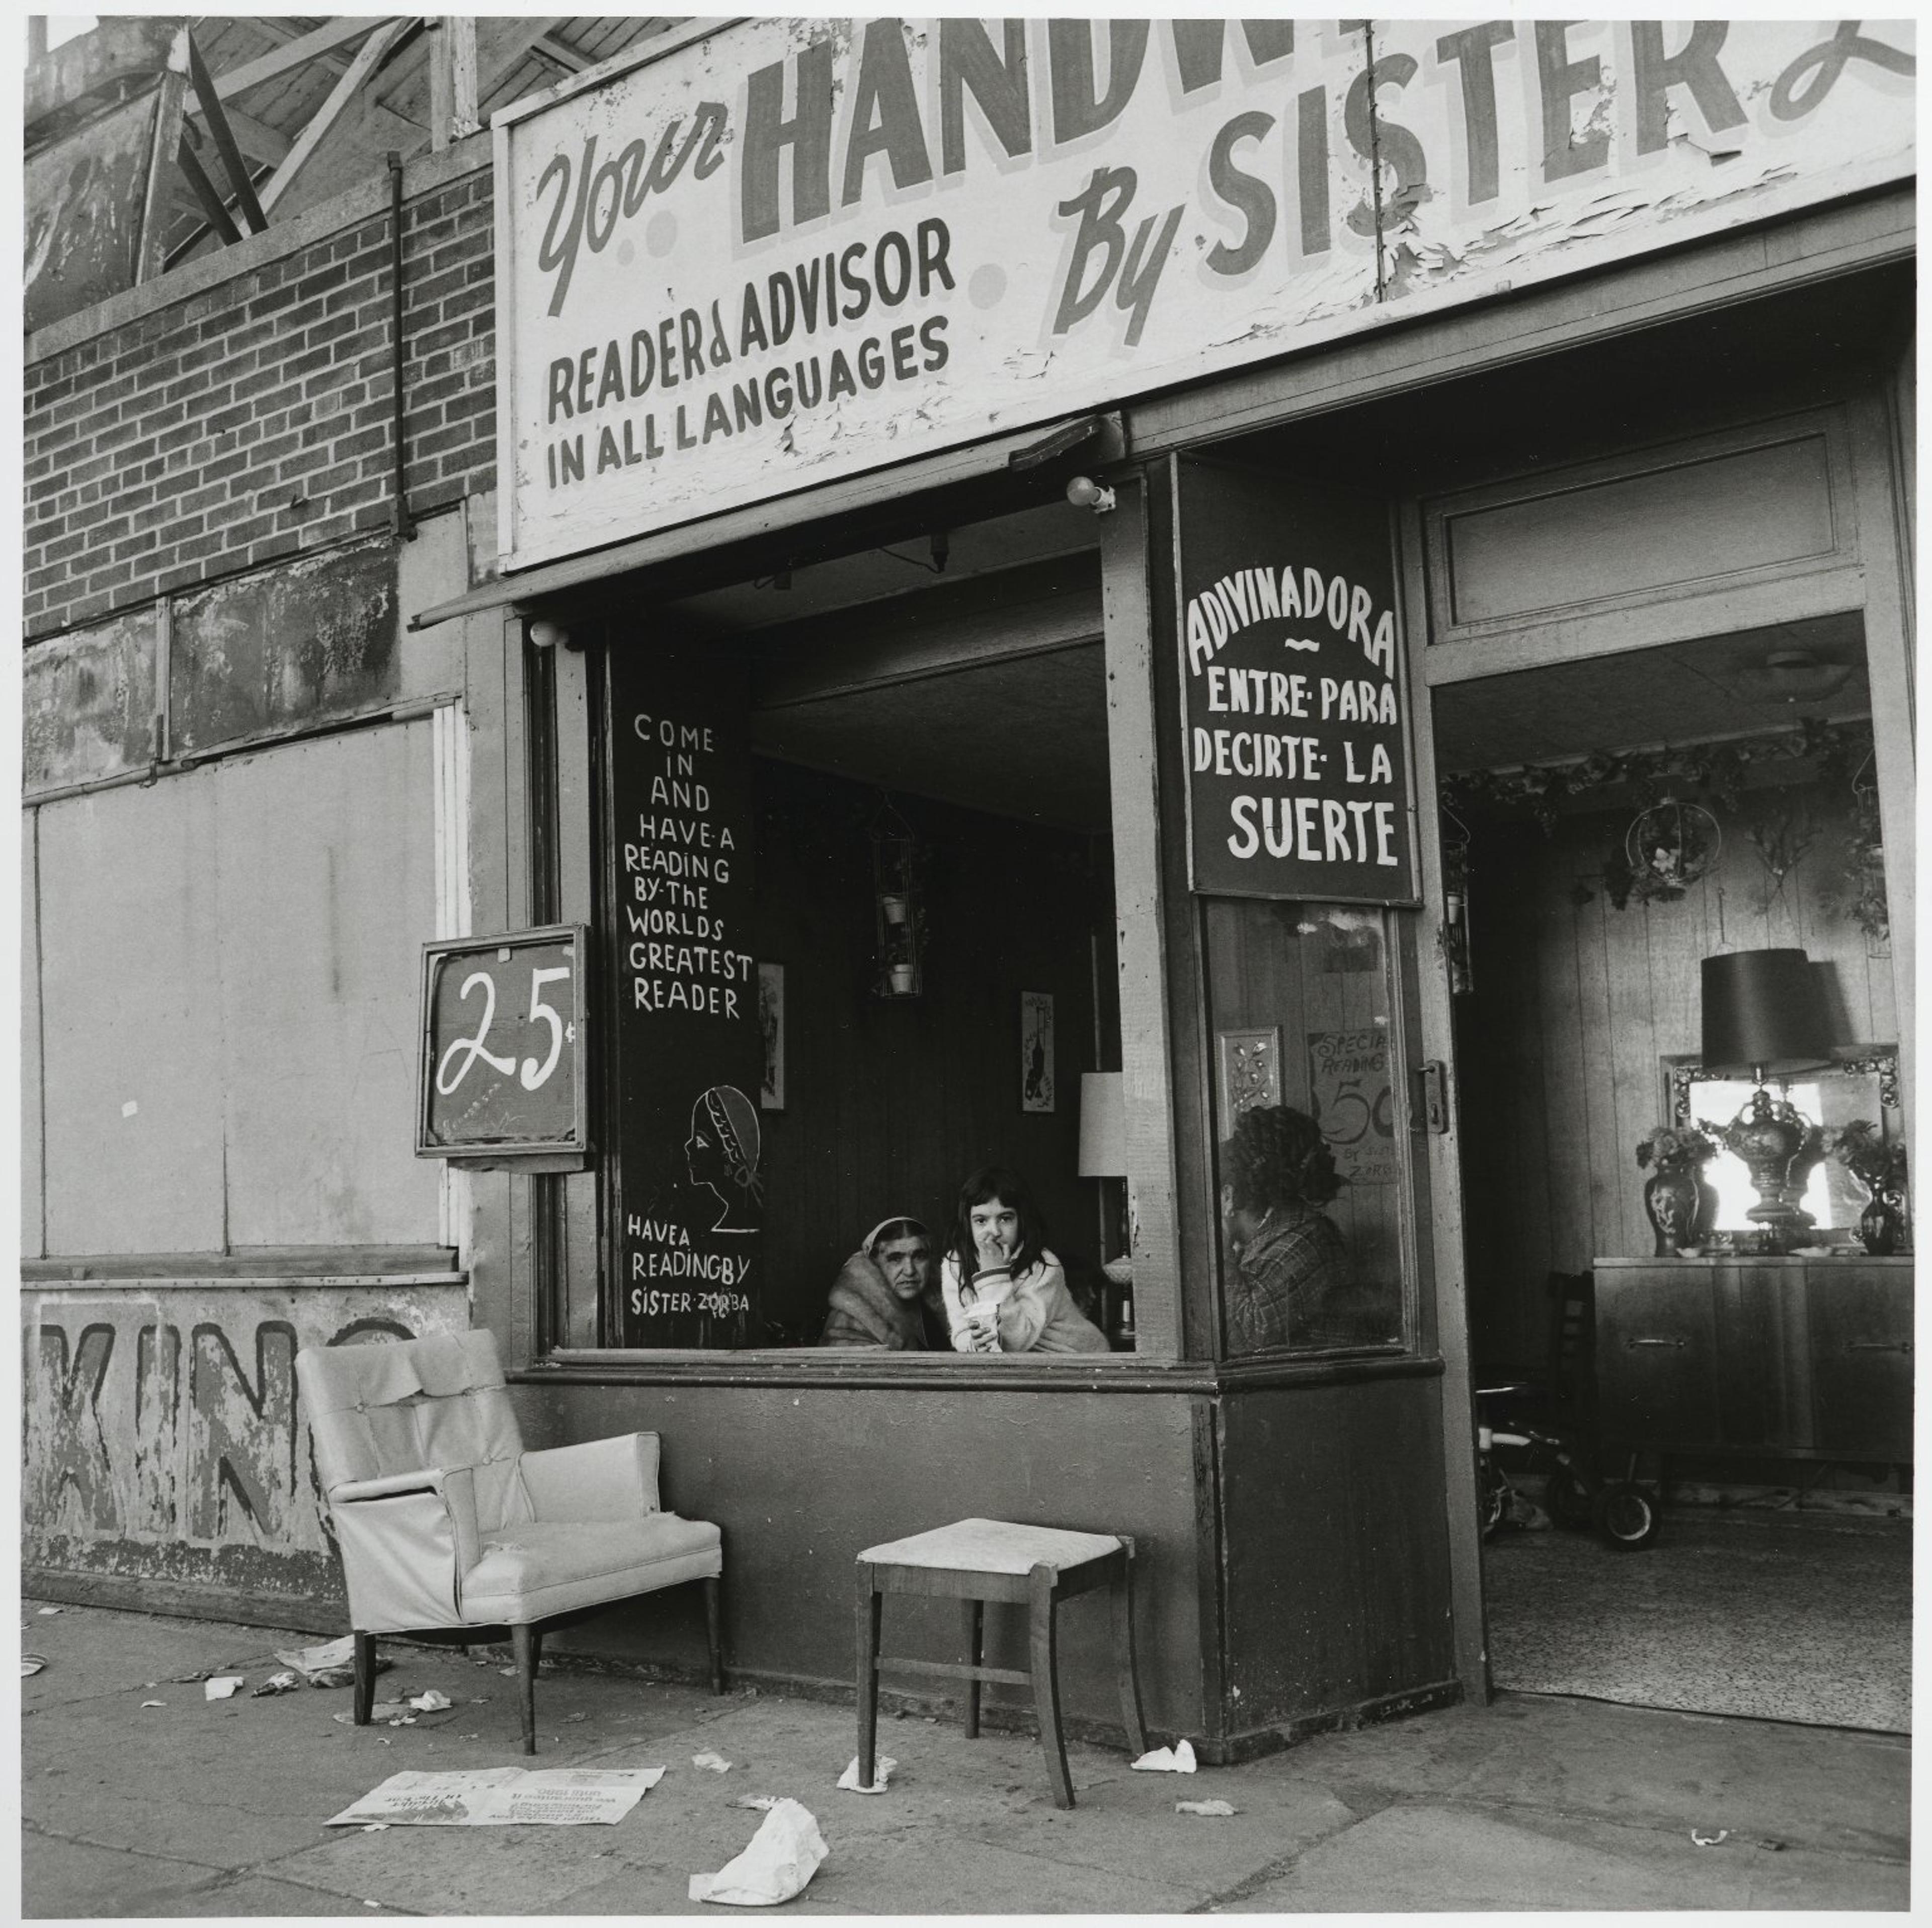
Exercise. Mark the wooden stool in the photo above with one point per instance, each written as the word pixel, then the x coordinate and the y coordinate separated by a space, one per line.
pixel 977 1561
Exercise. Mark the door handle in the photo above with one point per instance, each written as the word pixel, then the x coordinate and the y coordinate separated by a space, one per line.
pixel 1634 1343
pixel 1879 1345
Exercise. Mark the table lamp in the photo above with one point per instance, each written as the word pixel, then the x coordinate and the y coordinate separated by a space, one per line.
pixel 1764 1018
pixel 1103 1154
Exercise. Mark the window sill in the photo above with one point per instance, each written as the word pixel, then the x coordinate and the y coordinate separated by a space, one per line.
pixel 811 1366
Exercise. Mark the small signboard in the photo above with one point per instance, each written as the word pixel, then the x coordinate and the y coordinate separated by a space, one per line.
pixel 1292 689
pixel 502 1076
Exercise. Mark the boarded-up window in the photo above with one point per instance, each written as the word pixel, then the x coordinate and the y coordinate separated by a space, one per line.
pixel 227 969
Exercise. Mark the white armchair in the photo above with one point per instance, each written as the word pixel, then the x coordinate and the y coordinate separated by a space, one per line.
pixel 446 1523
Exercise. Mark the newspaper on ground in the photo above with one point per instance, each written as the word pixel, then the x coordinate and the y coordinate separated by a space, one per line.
pixel 331 1653
pixel 778 1860
pixel 222 1687
pixel 1178 1759
pixel 503 1796
pixel 882 1768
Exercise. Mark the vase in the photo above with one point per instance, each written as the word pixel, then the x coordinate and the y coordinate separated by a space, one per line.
pixel 1881 1225
pixel 1670 1198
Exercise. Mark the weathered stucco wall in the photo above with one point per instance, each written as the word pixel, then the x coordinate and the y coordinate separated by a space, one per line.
pixel 164 1437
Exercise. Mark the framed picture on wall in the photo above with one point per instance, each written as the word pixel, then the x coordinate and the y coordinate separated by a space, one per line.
pixel 771 1026
pixel 1248 1073
pixel 1035 1050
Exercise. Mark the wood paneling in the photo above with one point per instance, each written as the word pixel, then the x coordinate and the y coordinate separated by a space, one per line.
pixel 1576 1003
pixel 1337 1589
pixel 133 1065
pixel 229 971
pixel 890 1102
pixel 324 853
pixel 33 1167
pixel 1720 515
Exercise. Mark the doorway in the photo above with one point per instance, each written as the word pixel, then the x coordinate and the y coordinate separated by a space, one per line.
pixel 1605 825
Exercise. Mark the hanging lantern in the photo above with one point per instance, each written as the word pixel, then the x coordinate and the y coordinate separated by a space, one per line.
pixel 899 916
pixel 1670 846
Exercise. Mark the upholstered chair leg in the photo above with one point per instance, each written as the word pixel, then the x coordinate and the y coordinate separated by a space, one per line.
pixel 364 1652
pixel 525 1640
pixel 714 1633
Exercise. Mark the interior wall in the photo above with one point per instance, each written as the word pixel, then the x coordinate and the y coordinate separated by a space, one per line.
pixel 889 1103
pixel 1559 1046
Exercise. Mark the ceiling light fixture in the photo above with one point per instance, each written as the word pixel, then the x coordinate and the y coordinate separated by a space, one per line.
pixel 1800 675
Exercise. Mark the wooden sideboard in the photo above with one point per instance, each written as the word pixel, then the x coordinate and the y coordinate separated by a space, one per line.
pixel 1799 1358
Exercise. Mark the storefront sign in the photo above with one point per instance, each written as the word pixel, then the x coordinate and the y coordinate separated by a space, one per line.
pixel 1292 698
pixel 788 250
pixel 503 1048
pixel 688 1206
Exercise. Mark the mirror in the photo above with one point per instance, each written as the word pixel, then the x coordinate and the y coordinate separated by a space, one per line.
pixel 1862 1082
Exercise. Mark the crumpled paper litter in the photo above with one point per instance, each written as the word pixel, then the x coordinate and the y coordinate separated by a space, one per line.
pixel 883 1764
pixel 1178 1759
pixel 715 1762
pixel 222 1687
pixel 784 1855
pixel 1202 1807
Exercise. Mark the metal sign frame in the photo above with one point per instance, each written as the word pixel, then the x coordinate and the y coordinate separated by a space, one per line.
pixel 569 1152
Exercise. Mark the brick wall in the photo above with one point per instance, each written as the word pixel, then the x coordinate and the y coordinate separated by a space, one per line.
pixel 253 419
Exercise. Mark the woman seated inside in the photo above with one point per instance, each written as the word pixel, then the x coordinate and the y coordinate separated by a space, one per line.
pixel 1291 1281
pixel 885 1294
pixel 1003 1290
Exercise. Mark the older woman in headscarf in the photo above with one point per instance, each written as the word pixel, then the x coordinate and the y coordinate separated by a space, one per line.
pixel 886 1293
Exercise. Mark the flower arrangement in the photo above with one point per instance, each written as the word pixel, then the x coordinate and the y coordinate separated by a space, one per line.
pixel 1877 1162
pixel 1676 1148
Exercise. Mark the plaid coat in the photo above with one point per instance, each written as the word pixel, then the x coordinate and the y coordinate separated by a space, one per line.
pixel 1289 1283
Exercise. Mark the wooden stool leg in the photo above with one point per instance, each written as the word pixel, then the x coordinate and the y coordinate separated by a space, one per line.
pixel 975 1612
pixel 1123 1593
pixel 525 1640
pixel 1041 1585
pixel 869 1603
pixel 714 1637
pixel 365 1651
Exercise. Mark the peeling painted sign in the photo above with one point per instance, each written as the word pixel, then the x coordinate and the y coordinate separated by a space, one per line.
pixel 163 1432
pixel 89 704
pixel 790 251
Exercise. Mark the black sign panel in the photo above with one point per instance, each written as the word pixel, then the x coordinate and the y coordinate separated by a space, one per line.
pixel 503 1048
pixel 1298 779
pixel 688 1204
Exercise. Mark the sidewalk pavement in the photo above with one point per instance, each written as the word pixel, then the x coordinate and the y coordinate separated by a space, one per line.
pixel 201 1808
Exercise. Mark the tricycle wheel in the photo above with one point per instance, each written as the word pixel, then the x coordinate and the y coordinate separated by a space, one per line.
pixel 1626 1517
pixel 1493 1498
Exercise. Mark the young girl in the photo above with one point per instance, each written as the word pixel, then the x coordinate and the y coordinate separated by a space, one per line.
pixel 1004 1291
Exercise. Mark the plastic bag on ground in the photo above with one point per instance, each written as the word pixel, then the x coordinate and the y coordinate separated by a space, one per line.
pixel 1178 1759
pixel 883 1765
pixel 784 1855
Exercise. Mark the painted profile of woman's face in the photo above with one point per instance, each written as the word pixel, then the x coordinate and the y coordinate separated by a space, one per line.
pixel 702 1151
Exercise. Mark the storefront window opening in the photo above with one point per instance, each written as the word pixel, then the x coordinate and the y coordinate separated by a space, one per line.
pixel 896 974
pixel 1309 1155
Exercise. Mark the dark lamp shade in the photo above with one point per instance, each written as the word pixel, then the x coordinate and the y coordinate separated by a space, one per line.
pixel 1763 1008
